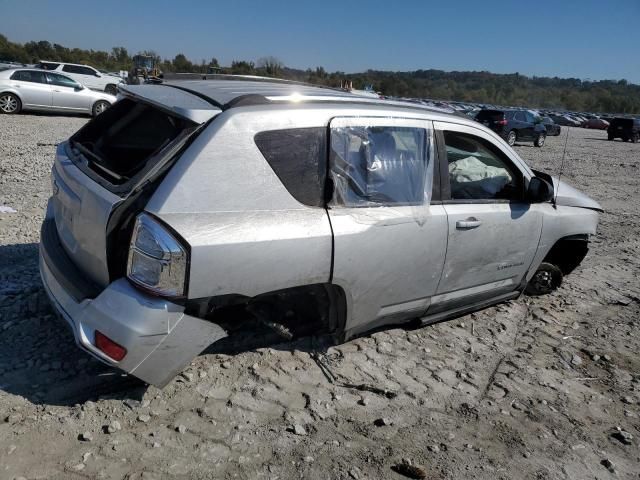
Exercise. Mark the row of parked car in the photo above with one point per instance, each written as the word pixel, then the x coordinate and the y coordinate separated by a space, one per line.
pixel 519 124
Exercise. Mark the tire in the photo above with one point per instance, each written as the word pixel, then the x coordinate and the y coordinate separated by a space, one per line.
pixel 511 138
pixel 111 89
pixel 635 138
pixel 99 107
pixel 610 137
pixel 625 138
pixel 539 141
pixel 547 278
pixel 10 103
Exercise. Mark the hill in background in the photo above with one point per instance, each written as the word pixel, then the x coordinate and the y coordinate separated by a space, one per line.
pixel 614 96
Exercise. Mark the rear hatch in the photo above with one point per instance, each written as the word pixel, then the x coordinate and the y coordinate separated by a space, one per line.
pixel 111 160
pixel 494 119
pixel 621 124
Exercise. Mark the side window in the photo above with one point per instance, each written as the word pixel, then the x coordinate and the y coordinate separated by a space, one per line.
pixel 61 80
pixel 374 166
pixel 72 69
pixel 298 156
pixel 28 76
pixel 479 171
pixel 86 71
pixel 530 117
pixel 519 116
pixel 47 65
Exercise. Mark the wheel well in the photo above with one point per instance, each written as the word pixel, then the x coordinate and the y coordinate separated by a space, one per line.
pixel 315 309
pixel 568 252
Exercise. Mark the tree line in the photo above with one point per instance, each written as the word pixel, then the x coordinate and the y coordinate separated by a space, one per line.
pixel 614 96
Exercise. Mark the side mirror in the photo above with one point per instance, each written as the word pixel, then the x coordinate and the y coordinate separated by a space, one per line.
pixel 78 88
pixel 539 191
pixel 98 74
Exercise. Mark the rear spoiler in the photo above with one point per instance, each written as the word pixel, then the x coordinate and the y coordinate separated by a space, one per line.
pixel 174 101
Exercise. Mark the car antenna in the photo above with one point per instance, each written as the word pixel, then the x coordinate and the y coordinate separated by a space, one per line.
pixel 564 153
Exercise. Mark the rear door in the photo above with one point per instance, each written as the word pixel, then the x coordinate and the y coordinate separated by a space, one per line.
pixel 34 90
pixel 101 165
pixel 493 231
pixel 84 75
pixel 389 241
pixel 523 127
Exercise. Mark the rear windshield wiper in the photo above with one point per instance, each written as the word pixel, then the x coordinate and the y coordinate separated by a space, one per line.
pixel 96 161
pixel 87 152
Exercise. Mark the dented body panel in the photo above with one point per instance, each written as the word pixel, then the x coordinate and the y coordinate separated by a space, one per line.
pixel 251 242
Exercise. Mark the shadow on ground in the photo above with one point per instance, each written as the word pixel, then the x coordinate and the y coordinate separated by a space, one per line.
pixel 40 361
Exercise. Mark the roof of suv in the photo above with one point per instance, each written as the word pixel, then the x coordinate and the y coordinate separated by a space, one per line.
pixel 66 63
pixel 226 91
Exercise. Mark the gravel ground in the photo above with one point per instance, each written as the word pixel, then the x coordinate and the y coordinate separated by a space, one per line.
pixel 537 388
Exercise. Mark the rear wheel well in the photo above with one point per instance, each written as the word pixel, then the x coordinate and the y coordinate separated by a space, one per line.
pixel 317 309
pixel 568 252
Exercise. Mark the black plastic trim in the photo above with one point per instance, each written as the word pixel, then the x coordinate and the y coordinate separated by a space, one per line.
pixel 62 267
pixel 196 94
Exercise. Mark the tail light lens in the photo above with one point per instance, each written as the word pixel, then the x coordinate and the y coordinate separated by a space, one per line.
pixel 157 262
pixel 502 122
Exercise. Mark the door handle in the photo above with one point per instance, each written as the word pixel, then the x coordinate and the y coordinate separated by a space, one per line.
pixel 469 223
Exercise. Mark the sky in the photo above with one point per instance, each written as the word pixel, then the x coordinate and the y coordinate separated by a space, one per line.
pixel 566 38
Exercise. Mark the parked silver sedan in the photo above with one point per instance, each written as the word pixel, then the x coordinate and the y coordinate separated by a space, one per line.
pixel 34 89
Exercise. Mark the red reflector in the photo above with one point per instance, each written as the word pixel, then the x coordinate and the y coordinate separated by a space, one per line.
pixel 110 348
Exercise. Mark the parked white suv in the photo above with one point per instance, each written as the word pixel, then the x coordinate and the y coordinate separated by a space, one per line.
pixel 86 75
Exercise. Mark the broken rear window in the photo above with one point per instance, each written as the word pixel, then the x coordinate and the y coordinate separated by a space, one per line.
pixel 127 139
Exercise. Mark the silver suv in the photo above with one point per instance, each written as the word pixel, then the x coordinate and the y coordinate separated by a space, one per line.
pixel 189 210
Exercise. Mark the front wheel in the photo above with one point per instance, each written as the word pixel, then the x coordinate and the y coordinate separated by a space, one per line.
pixel 511 138
pixel 99 107
pixel 539 141
pixel 547 278
pixel 9 103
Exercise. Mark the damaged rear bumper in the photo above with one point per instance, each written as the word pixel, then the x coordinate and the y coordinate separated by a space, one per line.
pixel 159 337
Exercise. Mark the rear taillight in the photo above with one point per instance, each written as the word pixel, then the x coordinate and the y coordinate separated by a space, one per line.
pixel 157 260
pixel 502 122
pixel 110 348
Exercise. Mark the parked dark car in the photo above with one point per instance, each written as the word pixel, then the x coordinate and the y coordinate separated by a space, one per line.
pixel 597 124
pixel 624 128
pixel 565 120
pixel 553 129
pixel 514 125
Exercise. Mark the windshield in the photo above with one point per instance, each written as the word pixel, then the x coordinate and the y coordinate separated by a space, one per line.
pixel 145 62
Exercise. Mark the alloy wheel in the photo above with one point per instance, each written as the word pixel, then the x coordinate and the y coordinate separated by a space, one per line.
pixel 543 280
pixel 101 107
pixel 8 103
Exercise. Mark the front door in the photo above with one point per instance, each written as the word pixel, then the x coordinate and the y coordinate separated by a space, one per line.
pixel 66 94
pixel 493 231
pixel 389 242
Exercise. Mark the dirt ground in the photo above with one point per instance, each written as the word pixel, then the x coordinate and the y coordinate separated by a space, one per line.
pixel 537 388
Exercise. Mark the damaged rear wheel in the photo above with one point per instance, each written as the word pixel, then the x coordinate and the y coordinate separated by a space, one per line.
pixel 547 278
